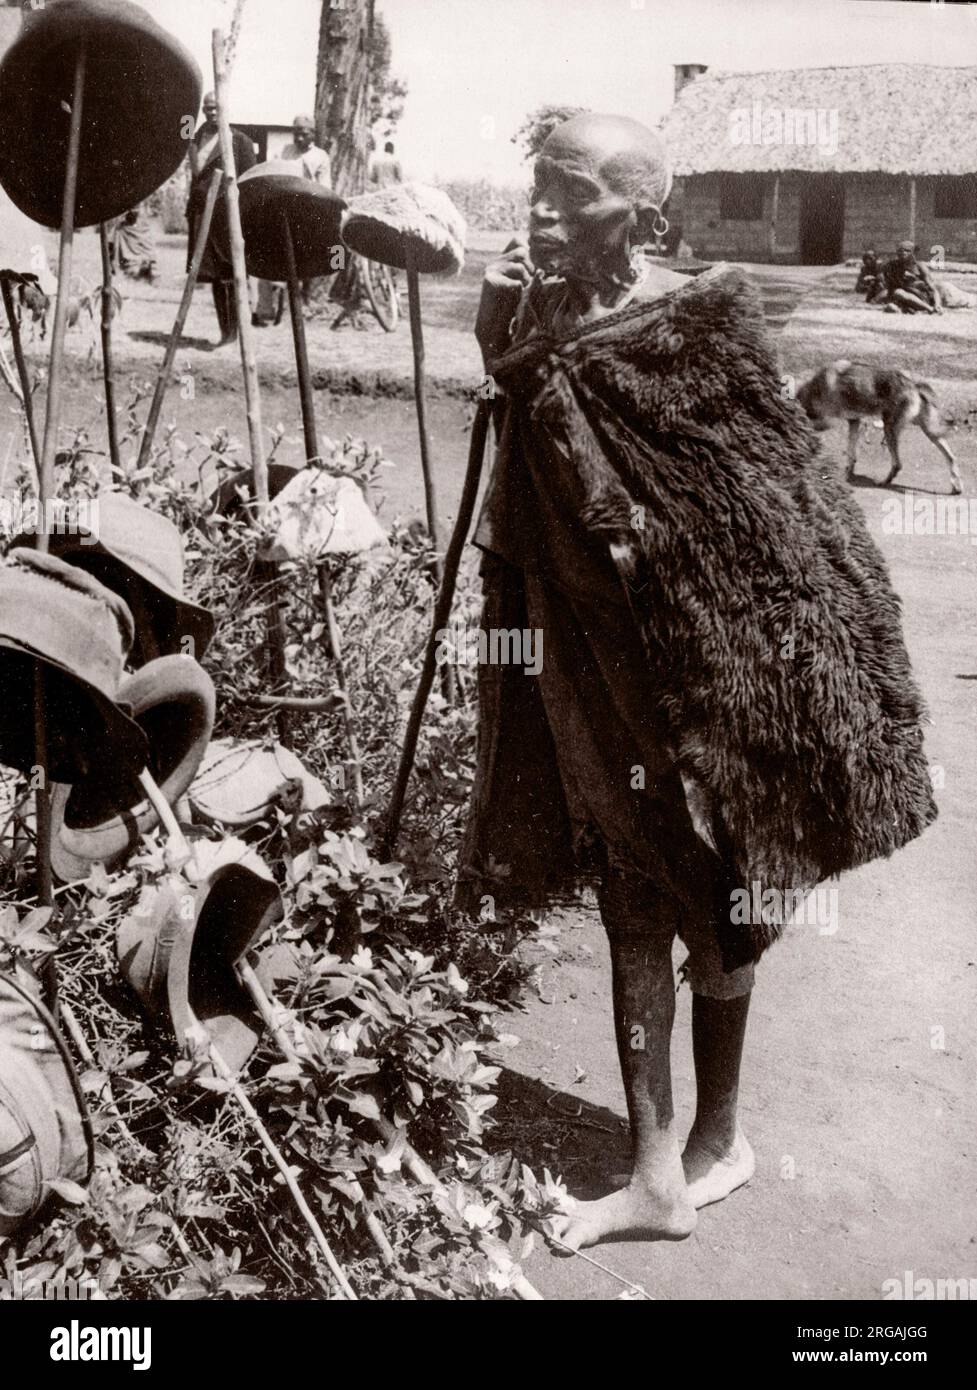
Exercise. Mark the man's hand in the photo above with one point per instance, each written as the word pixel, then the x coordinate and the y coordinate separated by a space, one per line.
pixel 513 270
pixel 505 279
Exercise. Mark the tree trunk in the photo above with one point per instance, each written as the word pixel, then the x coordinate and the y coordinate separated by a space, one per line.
pixel 342 90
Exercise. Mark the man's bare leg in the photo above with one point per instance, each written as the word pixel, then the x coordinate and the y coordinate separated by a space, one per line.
pixel 717 1158
pixel 655 1204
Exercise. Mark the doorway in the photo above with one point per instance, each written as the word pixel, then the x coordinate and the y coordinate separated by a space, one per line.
pixel 822 219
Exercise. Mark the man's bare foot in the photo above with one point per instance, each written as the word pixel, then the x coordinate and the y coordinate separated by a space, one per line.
pixel 713 1172
pixel 636 1212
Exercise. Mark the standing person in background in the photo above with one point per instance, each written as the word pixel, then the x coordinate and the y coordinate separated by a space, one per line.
pixel 385 168
pixel 314 164
pixel 314 160
pixel 215 268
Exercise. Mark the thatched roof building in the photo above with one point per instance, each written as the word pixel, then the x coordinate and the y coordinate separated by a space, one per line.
pixel 817 164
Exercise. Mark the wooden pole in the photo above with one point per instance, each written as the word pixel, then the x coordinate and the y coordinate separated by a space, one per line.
pixel 336 644
pixel 25 385
pixel 252 392
pixel 307 400
pixel 442 612
pixel 774 214
pixel 266 574
pixel 163 379
pixel 107 369
pixel 272 1018
pixel 420 401
pixel 52 417
pixel 288 1177
pixel 45 473
pixel 912 210
pixel 306 394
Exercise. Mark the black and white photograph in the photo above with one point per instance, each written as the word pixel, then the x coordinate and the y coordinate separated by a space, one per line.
pixel 488 670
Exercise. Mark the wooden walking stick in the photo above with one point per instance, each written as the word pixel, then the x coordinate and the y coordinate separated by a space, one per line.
pixel 442 612
pixel 107 370
pixel 166 367
pixel 420 401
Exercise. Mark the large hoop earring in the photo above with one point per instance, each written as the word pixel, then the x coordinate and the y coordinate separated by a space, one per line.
pixel 660 225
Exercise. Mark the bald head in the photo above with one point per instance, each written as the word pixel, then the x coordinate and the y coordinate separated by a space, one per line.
pixel 600 182
pixel 628 156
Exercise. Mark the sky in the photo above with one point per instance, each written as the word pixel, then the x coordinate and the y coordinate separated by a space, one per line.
pixel 475 68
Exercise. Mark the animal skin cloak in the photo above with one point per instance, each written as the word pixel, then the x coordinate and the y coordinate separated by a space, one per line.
pixel 768 622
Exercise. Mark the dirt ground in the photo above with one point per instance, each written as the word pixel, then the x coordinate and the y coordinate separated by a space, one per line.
pixel 858 1079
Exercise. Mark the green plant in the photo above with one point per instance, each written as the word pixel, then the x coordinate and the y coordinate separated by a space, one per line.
pixel 389 1000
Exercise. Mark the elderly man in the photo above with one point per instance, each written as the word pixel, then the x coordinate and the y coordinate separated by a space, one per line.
pixel 657 521
pixel 313 164
pixel 216 268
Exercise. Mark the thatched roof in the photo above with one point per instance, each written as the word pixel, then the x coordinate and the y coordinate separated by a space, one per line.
pixel 892 118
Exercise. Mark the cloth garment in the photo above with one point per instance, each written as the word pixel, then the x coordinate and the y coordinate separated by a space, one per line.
pixel 315 163
pixel 648 464
pixel 225 306
pixel 131 239
pixel 955 298
pixel 204 157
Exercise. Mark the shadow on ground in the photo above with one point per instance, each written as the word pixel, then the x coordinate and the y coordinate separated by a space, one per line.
pixel 549 1128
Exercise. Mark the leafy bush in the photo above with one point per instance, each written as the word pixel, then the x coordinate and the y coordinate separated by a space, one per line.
pixel 388 999
pixel 169 204
pixel 487 206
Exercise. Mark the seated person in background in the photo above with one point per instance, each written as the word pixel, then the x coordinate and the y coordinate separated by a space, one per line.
pixel 910 288
pixel 870 282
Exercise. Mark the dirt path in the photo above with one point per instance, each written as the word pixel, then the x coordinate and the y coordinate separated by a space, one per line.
pixel 858 1078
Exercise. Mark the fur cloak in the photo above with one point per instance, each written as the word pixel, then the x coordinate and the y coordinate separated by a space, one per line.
pixel 765 609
